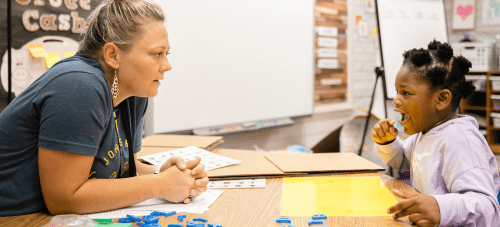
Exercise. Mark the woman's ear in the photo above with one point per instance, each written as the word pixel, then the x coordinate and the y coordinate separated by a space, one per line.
pixel 110 54
pixel 444 99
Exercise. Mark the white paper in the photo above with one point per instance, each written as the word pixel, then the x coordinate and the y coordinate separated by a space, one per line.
pixel 328 64
pixel 251 183
pixel 491 12
pixel 327 42
pixel 327 52
pixel 209 159
pixel 327 31
pixel 198 206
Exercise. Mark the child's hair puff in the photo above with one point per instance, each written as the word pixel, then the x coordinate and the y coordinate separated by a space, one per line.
pixel 441 69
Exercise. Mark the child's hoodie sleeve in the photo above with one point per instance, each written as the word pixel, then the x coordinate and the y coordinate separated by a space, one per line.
pixel 396 153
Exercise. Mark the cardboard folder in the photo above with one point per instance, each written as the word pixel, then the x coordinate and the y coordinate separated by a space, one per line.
pixel 257 164
pixel 262 164
pixel 322 162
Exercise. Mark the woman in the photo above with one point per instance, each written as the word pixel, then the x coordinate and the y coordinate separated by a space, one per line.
pixel 66 137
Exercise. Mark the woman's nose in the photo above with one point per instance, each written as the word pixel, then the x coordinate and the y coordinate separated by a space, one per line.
pixel 166 66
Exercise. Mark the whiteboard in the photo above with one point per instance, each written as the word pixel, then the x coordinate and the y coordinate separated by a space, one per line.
pixel 404 25
pixel 235 62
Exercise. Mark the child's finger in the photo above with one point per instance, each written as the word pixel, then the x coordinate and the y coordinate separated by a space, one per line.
pixel 405 212
pixel 380 131
pixel 405 195
pixel 375 135
pixel 401 205
pixel 394 130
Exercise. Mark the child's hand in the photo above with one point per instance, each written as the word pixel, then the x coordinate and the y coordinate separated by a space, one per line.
pixel 422 210
pixel 384 131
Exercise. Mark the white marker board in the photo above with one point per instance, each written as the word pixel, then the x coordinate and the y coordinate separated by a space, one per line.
pixel 234 62
pixel 404 25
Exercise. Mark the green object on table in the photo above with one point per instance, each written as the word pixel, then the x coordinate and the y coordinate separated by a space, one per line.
pixel 115 225
pixel 104 220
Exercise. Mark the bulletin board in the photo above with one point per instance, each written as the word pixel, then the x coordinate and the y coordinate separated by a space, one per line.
pixel 55 25
pixel 331 52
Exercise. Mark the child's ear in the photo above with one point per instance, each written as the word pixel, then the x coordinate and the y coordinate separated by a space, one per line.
pixel 444 99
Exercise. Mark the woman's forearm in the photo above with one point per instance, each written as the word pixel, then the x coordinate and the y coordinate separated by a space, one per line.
pixel 97 195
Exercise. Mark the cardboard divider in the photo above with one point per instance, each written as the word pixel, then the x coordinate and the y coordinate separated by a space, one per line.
pixel 179 141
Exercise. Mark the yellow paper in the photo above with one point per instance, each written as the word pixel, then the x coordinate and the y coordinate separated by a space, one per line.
pixel 51 59
pixel 335 196
pixel 69 54
pixel 37 50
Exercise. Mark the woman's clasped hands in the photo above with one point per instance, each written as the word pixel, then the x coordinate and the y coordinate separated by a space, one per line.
pixel 183 183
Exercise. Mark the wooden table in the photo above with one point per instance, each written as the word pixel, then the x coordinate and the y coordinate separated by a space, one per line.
pixel 254 208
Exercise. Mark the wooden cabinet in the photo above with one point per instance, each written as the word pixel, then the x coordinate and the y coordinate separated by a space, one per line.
pixel 480 106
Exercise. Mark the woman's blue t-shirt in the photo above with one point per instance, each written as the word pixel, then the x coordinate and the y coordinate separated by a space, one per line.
pixel 69 108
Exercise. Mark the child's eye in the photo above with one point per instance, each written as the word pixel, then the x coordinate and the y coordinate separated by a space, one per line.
pixel 404 93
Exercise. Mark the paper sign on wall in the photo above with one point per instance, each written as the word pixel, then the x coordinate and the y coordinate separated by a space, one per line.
pixel 327 52
pixel 69 54
pixel 328 63
pixel 327 31
pixel 37 50
pixel 327 42
pixel 51 59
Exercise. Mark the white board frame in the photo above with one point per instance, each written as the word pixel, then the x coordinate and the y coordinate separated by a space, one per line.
pixel 235 62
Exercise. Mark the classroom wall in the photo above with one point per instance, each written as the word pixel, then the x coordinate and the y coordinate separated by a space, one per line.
pixel 481 28
pixel 309 131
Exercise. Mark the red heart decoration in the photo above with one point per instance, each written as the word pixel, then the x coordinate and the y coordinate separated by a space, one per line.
pixel 464 12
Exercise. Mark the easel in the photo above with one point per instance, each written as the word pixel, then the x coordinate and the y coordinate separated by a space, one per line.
pixel 380 73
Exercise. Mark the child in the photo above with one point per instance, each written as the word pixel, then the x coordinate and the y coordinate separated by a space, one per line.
pixel 450 162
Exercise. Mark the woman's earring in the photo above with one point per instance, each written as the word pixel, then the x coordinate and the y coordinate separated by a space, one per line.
pixel 114 88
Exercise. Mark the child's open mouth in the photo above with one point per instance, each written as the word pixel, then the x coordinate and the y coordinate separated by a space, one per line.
pixel 404 118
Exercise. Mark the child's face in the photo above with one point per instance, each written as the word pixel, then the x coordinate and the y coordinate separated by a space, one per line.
pixel 415 101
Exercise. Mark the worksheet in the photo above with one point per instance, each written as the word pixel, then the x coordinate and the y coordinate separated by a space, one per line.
pixel 199 205
pixel 250 183
pixel 209 159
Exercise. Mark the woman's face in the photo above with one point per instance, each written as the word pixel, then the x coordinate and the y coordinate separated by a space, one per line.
pixel 141 67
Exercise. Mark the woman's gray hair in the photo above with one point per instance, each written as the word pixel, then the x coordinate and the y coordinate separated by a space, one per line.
pixel 118 22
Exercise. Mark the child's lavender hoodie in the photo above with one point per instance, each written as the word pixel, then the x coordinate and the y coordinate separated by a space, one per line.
pixel 453 163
